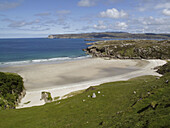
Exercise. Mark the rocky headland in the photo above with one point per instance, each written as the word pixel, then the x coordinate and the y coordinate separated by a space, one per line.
pixel 130 49
pixel 111 35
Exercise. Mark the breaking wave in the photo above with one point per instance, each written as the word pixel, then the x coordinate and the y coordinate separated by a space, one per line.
pixel 58 59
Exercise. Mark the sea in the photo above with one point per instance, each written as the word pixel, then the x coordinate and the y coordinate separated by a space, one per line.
pixel 40 50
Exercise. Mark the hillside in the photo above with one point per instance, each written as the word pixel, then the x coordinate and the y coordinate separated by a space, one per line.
pixel 130 49
pixel 113 35
pixel 139 102
pixel 11 90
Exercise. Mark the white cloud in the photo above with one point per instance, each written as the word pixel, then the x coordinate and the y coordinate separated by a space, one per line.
pixel 113 13
pixel 17 24
pixel 142 9
pixel 62 17
pixel 8 5
pixel 37 28
pixel 86 3
pixel 100 26
pixel 150 5
pixel 110 26
pixel 163 5
pixel 166 12
pixel 154 21
pixel 121 25
pixel 154 5
pixel 150 24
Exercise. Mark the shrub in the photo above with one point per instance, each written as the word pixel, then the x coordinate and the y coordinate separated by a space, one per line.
pixel 11 86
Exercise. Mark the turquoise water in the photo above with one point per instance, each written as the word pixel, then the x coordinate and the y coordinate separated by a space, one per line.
pixel 19 51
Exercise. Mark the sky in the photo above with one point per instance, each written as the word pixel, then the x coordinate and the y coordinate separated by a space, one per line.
pixel 40 18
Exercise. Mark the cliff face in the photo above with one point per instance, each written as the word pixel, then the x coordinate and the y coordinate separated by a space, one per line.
pixel 130 49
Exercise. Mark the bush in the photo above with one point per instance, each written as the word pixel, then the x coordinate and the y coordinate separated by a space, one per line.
pixel 11 86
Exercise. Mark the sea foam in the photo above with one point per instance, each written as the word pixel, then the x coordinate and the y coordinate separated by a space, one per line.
pixel 36 61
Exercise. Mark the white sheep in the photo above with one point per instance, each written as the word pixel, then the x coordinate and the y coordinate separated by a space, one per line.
pixel 94 95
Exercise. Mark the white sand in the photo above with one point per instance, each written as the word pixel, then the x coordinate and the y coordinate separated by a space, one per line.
pixel 61 79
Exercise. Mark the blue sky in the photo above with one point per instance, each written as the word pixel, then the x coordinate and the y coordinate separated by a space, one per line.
pixel 39 18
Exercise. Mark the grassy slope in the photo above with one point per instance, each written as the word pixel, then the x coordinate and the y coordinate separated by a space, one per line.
pixel 111 108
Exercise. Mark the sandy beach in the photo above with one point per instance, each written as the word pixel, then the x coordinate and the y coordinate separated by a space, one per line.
pixel 63 78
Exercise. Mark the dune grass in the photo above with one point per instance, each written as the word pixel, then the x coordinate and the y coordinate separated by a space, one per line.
pixel 119 104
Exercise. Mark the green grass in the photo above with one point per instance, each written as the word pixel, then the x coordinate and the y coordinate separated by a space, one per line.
pixel 73 93
pixel 56 98
pixel 27 102
pixel 113 107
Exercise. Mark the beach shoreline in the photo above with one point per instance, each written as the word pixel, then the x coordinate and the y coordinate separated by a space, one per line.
pixel 63 78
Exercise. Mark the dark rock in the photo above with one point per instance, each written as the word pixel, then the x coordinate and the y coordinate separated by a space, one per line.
pixel 119 56
pixel 90 88
pixel 143 109
pixel 101 123
pixel 167 81
pixel 167 105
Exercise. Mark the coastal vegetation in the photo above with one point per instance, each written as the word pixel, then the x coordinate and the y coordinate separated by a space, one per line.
pixel 139 102
pixel 46 96
pixel 130 49
pixel 111 35
pixel 11 90
pixel 164 69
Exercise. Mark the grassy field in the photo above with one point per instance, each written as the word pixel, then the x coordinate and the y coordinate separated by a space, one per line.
pixel 139 102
